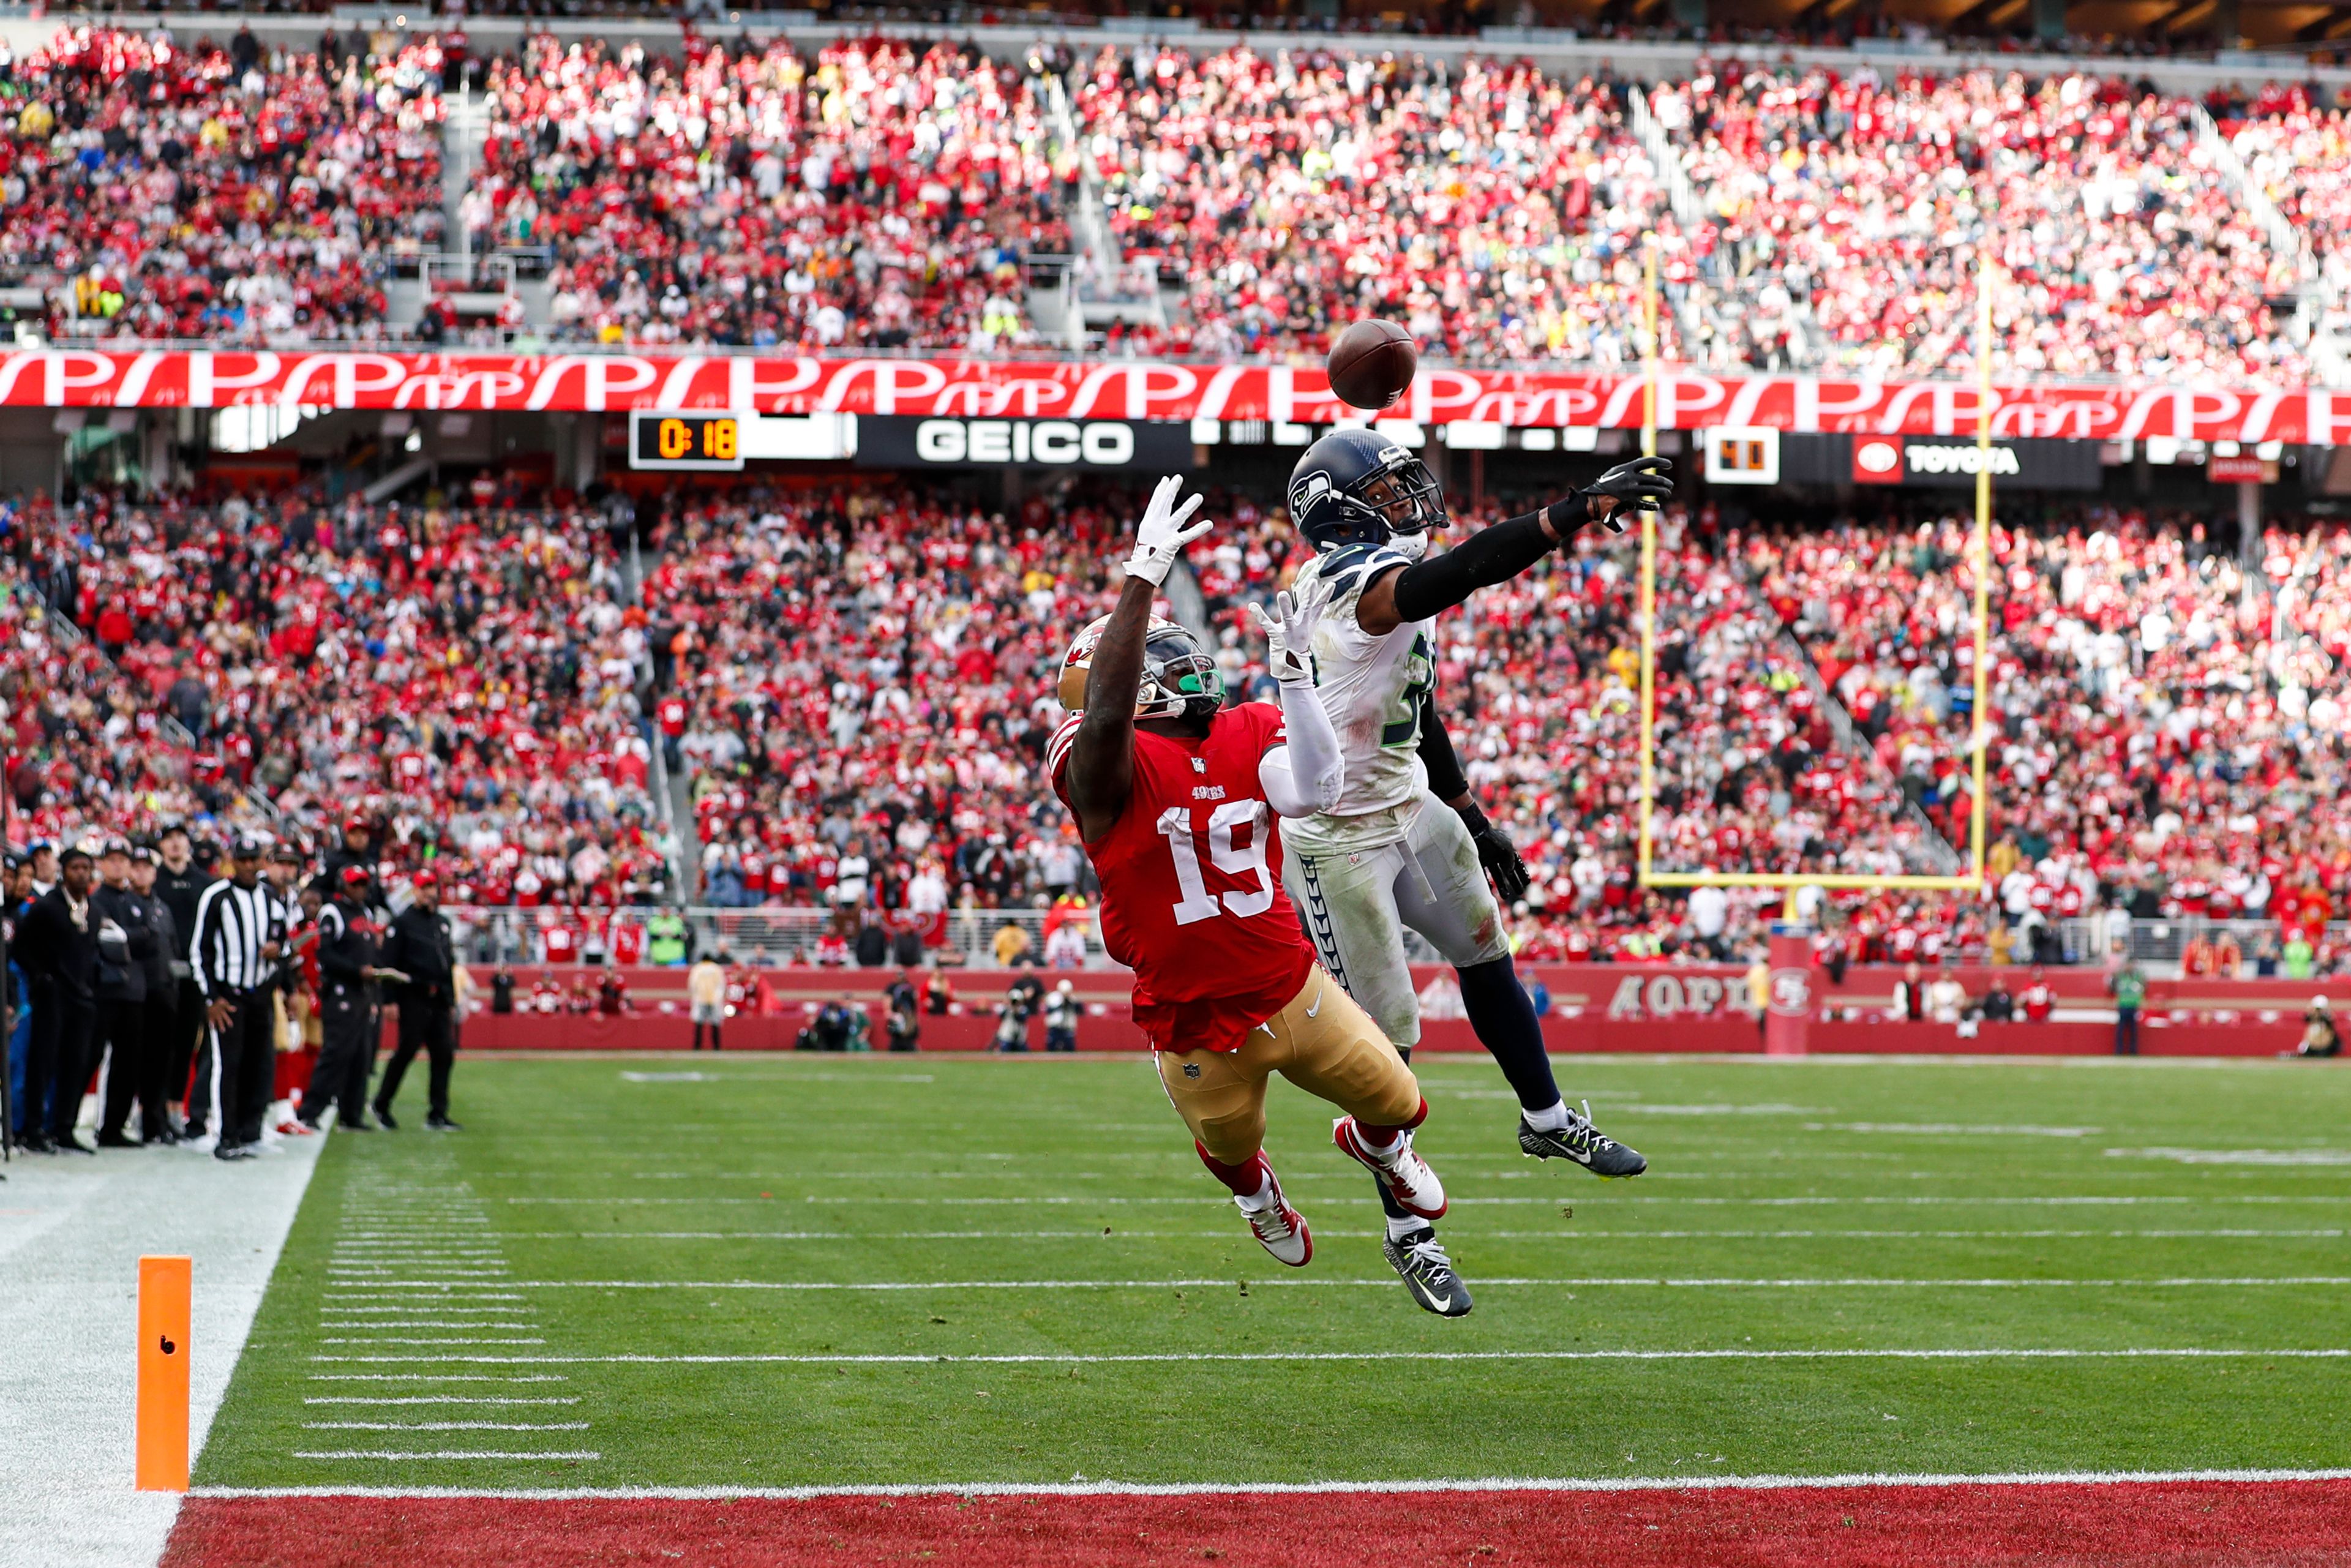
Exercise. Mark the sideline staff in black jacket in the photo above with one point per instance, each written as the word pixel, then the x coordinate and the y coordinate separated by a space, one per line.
pixel 180 879
pixel 349 939
pixel 56 945
pixel 126 962
pixel 419 947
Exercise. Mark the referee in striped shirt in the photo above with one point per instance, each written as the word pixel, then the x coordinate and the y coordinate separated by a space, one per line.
pixel 240 932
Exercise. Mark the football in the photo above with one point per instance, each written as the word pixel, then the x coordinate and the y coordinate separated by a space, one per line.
pixel 1372 363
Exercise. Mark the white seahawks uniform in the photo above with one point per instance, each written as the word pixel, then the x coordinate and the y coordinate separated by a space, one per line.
pixel 1390 854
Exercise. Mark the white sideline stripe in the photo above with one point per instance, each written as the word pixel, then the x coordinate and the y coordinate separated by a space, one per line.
pixel 1565 1233
pixel 436 1399
pixel 1594 1282
pixel 1235 1489
pixel 444 1426
pixel 1153 1357
pixel 439 1454
pixel 1206 1202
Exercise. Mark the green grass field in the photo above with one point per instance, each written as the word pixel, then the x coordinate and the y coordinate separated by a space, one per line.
pixel 585 1272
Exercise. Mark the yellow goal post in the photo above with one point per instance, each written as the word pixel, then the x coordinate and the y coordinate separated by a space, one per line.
pixel 1978 717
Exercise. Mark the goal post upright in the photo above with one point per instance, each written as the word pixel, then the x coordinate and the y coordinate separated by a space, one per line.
pixel 1648 603
pixel 1979 727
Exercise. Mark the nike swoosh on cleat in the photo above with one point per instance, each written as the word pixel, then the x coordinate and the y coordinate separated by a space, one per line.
pixel 1439 1302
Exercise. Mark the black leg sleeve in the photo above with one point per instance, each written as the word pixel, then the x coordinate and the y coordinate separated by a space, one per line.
pixel 1503 1015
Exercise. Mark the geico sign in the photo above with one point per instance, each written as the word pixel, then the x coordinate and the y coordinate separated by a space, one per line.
pixel 1104 444
pixel 1929 457
pixel 1666 996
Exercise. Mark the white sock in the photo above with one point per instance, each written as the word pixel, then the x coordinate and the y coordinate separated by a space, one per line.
pixel 1549 1121
pixel 1261 1201
pixel 1402 1226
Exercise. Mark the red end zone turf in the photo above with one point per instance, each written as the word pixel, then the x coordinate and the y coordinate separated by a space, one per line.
pixel 2173 1524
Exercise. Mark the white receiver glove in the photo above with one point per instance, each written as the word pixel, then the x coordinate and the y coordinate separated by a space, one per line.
pixel 1307 774
pixel 1160 537
pixel 1289 641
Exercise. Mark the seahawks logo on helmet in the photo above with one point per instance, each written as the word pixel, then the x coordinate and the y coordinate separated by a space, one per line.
pixel 1358 487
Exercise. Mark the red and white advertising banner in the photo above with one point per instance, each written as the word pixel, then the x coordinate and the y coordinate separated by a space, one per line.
pixel 1144 390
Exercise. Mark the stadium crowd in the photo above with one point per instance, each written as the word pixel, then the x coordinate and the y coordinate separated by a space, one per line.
pixel 1862 203
pixel 873 198
pixel 155 190
pixel 851 683
pixel 883 195
pixel 1497 212
pixel 473 676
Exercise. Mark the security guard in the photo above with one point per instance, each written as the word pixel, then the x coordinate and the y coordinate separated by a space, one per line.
pixel 351 939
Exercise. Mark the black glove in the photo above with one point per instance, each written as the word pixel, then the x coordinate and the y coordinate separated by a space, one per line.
pixel 1640 485
pixel 1497 854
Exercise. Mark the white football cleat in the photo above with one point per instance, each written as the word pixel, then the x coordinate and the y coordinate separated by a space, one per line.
pixel 1407 1175
pixel 1281 1230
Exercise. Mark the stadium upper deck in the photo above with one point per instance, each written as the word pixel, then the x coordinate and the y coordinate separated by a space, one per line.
pixel 825 192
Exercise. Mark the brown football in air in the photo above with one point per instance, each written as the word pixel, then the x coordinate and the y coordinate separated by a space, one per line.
pixel 1372 363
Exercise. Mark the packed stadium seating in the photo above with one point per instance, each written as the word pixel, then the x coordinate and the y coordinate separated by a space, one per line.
pixel 873 198
pixel 156 189
pixel 1862 202
pixel 1498 212
pixel 469 678
pixel 873 667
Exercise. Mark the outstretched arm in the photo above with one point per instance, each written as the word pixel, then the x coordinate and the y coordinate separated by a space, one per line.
pixel 1102 754
pixel 1306 773
pixel 1498 554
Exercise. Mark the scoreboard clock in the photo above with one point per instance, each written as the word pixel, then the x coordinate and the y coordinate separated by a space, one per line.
pixel 685 441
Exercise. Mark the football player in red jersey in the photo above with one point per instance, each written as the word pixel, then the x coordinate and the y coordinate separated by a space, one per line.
pixel 1174 795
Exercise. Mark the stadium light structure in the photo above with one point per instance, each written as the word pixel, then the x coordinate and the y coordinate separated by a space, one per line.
pixel 1979 738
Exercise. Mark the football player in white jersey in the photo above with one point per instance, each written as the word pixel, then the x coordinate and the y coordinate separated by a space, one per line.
pixel 1406 846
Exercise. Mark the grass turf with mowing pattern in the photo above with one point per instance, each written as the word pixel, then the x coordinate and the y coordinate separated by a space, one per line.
pixel 1854 1187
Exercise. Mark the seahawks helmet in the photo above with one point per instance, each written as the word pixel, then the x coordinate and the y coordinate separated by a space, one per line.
pixel 1180 678
pixel 1359 487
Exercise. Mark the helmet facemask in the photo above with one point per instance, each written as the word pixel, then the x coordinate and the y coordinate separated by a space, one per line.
pixel 1180 678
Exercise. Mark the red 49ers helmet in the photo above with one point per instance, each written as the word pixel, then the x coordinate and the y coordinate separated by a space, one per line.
pixel 1180 678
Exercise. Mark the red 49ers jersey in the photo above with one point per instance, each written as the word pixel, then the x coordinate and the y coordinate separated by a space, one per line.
pixel 1191 877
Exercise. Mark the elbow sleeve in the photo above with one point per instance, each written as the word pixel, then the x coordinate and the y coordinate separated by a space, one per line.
pixel 1446 780
pixel 1486 557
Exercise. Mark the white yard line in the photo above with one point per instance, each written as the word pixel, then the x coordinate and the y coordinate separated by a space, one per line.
pixel 1160 1357
pixel 70 1250
pixel 439 1454
pixel 1594 1282
pixel 444 1426
pixel 437 1399
pixel 1564 1233
pixel 435 1376
pixel 1569 1196
pixel 1243 1488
